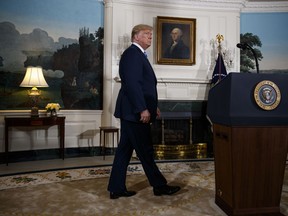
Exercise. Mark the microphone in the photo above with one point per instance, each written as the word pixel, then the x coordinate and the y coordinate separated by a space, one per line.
pixel 245 46
pixel 241 46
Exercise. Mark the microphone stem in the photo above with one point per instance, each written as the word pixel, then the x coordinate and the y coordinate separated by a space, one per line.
pixel 257 65
pixel 255 57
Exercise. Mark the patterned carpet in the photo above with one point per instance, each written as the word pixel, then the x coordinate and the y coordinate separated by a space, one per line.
pixel 83 191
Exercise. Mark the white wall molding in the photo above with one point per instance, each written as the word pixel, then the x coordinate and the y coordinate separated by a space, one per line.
pixel 265 6
pixel 183 81
pixel 181 88
pixel 186 4
pixel 236 5
pixel 189 91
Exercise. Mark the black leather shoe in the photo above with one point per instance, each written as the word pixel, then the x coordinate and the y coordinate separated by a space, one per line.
pixel 122 194
pixel 166 190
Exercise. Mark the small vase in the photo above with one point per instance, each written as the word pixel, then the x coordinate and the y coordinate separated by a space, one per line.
pixel 53 113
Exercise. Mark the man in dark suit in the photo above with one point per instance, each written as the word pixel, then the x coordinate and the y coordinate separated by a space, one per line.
pixel 177 49
pixel 136 107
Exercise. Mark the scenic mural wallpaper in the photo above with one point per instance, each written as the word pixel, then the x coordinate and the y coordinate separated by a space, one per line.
pixel 270 32
pixel 65 38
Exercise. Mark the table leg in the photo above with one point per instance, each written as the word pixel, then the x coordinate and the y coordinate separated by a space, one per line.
pixel 113 134
pixel 117 138
pixel 62 140
pixel 104 147
pixel 6 145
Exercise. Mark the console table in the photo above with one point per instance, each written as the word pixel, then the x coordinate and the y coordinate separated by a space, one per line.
pixel 28 121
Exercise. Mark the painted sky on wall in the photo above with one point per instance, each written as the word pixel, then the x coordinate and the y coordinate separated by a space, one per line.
pixel 57 17
pixel 271 28
pixel 27 25
pixel 65 17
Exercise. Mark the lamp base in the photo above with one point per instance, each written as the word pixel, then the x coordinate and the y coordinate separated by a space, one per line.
pixel 34 112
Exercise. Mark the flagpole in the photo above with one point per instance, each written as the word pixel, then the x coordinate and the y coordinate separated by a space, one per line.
pixel 219 69
pixel 219 39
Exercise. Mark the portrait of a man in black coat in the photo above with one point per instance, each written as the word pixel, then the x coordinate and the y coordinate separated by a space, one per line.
pixel 177 49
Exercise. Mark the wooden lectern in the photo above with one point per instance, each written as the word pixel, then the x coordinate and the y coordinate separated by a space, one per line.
pixel 249 113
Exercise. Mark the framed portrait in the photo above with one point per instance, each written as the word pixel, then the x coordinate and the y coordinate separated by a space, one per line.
pixel 176 40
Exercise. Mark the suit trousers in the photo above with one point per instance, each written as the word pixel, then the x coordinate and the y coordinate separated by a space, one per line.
pixel 134 136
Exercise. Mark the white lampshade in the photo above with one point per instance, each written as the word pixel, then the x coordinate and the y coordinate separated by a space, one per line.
pixel 34 78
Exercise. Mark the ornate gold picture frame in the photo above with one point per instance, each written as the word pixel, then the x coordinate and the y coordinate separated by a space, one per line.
pixel 176 40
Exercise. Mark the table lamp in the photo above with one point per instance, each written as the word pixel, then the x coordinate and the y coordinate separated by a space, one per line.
pixel 34 78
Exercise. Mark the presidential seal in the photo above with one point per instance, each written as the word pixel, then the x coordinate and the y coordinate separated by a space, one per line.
pixel 267 95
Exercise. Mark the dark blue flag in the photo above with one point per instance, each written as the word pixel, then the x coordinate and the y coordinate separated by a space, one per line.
pixel 219 71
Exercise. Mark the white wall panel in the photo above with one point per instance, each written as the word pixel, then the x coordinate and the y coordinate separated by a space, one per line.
pixel 212 17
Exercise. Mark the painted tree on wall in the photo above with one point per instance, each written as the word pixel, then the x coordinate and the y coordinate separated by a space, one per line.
pixel 54 35
pixel 83 67
pixel 74 74
pixel 246 56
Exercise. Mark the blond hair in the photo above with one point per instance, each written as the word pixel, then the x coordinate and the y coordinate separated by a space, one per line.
pixel 136 29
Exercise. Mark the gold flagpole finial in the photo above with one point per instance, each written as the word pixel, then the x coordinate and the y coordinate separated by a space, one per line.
pixel 219 38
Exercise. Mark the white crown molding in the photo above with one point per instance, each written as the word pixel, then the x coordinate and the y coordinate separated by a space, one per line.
pixel 235 5
pixel 265 6
pixel 187 4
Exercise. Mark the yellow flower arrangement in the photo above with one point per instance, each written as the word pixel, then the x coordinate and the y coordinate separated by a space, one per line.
pixel 53 107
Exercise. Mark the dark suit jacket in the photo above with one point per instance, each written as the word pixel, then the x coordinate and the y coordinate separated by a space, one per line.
pixel 138 86
pixel 180 51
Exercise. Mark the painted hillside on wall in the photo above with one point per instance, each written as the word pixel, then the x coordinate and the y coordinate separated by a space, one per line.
pixel 65 38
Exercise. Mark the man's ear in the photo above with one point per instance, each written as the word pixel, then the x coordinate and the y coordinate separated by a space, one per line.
pixel 136 37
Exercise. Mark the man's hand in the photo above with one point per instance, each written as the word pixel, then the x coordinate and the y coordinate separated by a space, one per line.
pixel 145 116
pixel 158 113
